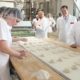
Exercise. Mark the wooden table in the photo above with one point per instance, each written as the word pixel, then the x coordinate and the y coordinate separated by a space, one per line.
pixel 29 65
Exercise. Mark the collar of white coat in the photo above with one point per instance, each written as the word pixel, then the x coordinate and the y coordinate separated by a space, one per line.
pixel 67 16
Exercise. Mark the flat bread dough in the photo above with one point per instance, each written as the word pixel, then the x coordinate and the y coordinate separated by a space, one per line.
pixel 42 75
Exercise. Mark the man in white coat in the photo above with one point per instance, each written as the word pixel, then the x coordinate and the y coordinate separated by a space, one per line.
pixel 64 23
pixel 42 26
pixel 74 36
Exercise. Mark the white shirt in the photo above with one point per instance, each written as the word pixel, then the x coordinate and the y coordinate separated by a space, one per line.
pixel 63 26
pixel 42 28
pixel 5 34
pixel 74 35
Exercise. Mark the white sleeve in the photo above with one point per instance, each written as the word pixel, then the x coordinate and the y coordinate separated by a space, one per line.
pixel 71 36
pixel 3 31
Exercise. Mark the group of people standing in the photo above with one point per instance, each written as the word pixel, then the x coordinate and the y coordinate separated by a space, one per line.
pixel 66 24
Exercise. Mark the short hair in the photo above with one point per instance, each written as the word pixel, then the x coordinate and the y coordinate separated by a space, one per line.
pixel 41 12
pixel 14 11
pixel 64 6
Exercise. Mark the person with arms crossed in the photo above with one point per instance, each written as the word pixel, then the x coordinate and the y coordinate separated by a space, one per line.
pixel 42 26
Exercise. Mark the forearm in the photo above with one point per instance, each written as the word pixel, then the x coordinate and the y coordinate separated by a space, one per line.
pixel 6 49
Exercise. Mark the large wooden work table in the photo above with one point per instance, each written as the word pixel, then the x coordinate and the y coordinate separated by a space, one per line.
pixel 25 69
pixel 27 66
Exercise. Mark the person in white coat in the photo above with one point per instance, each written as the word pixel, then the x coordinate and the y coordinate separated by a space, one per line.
pixel 10 17
pixel 74 36
pixel 64 23
pixel 42 26
pixel 51 22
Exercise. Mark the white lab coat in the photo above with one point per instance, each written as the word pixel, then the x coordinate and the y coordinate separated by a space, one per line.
pixel 63 27
pixel 74 34
pixel 42 28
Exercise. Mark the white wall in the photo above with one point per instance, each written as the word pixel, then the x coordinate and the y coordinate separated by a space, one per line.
pixel 7 4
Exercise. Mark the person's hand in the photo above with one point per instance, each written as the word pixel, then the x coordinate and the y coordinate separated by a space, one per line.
pixel 21 54
pixel 73 46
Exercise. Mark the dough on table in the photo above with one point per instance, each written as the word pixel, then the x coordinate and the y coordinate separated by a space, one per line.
pixel 74 67
pixel 66 70
pixel 42 55
pixel 51 61
pixel 42 75
pixel 59 60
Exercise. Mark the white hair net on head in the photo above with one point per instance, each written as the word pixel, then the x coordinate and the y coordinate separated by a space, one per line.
pixel 2 9
pixel 13 11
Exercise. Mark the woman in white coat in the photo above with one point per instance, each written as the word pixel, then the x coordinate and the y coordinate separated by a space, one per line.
pixel 10 17
pixel 64 23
